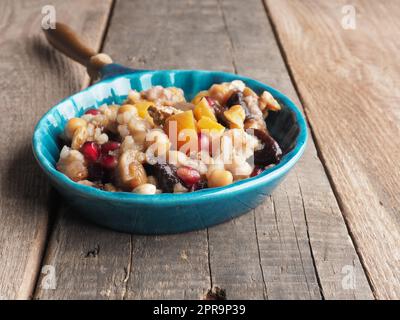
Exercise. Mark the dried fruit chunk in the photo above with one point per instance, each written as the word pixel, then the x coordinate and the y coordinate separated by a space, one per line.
pixel 166 177
pixel 160 114
pixel 142 107
pixel 256 119
pixel 210 125
pixel 236 98
pixel 267 101
pixel 203 109
pixel 218 111
pixel 235 116
pixel 249 92
pixel 181 123
pixel 271 153
pixel 199 96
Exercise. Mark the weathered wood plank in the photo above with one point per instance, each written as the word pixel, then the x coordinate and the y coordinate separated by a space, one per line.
pixel 32 80
pixel 279 265
pixel 302 236
pixel 348 80
pixel 165 267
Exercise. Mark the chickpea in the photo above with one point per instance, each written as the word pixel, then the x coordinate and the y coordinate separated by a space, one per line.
pixel 127 108
pixel 72 125
pixel 220 178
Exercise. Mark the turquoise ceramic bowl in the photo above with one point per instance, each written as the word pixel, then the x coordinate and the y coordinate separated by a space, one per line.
pixel 164 213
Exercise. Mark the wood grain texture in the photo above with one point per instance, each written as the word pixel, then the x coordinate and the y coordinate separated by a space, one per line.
pixel 32 79
pixel 165 267
pixel 303 242
pixel 281 250
pixel 349 83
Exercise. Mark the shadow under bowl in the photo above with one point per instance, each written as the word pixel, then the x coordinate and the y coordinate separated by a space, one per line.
pixel 166 213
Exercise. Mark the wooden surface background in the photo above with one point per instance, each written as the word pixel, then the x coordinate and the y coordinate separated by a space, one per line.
pixel 334 218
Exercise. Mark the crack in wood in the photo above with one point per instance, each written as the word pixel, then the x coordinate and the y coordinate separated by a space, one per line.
pixel 321 290
pixel 259 256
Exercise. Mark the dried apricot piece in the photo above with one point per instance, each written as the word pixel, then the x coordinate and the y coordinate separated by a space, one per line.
pixel 208 124
pixel 180 124
pixel 203 109
pixel 235 116
pixel 142 107
pixel 199 96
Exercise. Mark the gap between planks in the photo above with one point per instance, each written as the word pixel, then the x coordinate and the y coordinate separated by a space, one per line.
pixel 55 199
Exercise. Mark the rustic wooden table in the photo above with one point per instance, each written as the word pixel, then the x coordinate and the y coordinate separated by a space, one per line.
pixel 330 231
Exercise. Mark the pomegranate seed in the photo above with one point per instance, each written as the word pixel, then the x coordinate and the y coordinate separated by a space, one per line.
pixel 110 146
pixel 188 175
pixel 91 151
pixel 204 142
pixel 109 162
pixel 210 101
pixel 93 112
pixel 256 171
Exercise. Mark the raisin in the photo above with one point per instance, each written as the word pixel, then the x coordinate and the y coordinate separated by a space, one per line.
pixel 219 112
pixel 271 153
pixel 166 177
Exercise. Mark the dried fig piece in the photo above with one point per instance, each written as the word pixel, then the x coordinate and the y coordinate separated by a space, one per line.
pixel 219 111
pixel 271 153
pixel 166 177
pixel 236 98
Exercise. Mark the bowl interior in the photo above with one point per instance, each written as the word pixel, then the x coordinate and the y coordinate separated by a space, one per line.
pixel 287 127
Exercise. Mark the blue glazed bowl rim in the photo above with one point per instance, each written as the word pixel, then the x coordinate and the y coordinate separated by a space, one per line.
pixel 171 199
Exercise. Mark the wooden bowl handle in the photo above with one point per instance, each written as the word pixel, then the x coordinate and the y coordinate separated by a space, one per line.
pixel 64 39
